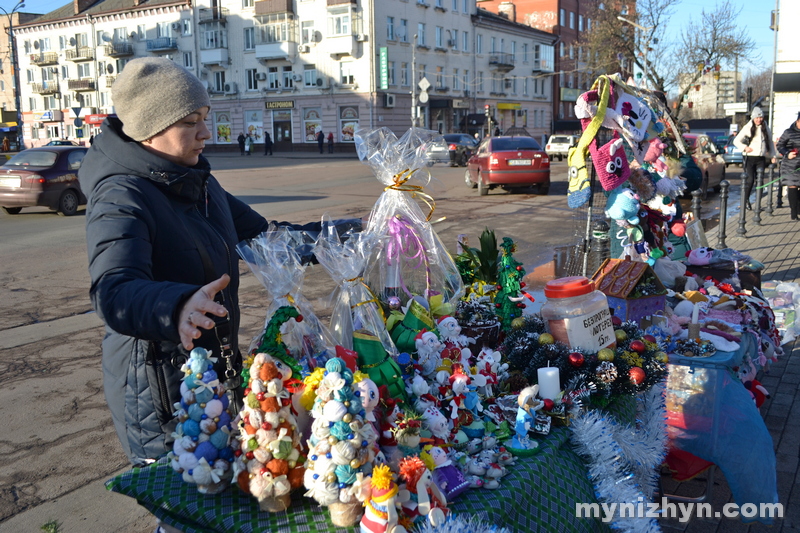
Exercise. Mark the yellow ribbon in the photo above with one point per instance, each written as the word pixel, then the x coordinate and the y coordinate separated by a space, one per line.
pixel 374 298
pixel 401 184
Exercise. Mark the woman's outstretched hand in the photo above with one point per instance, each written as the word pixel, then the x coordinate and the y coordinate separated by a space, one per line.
pixel 193 314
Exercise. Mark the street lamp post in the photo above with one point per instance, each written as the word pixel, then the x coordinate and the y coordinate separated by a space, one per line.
pixel 646 32
pixel 15 67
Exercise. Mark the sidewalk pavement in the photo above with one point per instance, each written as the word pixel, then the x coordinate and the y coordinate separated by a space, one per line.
pixel 286 155
pixel 776 243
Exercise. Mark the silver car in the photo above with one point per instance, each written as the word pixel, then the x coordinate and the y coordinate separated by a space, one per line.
pixel 732 155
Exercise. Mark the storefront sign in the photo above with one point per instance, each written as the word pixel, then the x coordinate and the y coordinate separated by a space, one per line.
pixel 569 95
pixel 509 105
pixel 54 115
pixel 280 104
pixel 459 103
pixel 94 119
pixel 384 67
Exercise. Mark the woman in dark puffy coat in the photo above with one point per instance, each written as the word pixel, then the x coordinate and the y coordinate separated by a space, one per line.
pixel 789 146
pixel 161 236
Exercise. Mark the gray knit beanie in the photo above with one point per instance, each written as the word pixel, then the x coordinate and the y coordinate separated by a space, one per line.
pixel 756 113
pixel 153 93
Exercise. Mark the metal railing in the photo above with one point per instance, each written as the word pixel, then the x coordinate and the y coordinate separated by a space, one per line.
pixel 119 49
pixel 82 53
pixel 44 58
pixel 502 60
pixel 162 43
pixel 213 14
pixel 46 87
pixel 81 85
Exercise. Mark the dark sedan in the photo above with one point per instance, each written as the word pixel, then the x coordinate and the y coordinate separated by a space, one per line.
pixel 460 147
pixel 44 176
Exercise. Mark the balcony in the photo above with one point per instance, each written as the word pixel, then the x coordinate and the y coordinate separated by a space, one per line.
pixel 340 45
pixel 268 7
pixel 502 62
pixel 110 81
pixel 44 58
pixel 81 85
pixel 120 49
pixel 46 87
pixel 276 50
pixel 213 14
pixel 83 53
pixel 214 56
pixel 542 65
pixel 162 44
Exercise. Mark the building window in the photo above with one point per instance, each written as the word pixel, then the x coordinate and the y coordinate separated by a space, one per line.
pixel 84 70
pixel 121 64
pixel 561 49
pixel 62 42
pixel 456 80
pixel 390 28
pixel 465 79
pixel 465 6
pixel 404 74
pixel 562 17
pixel 346 73
pixel 27 46
pixel 47 74
pixel 50 103
pixel 480 81
pixel 403 30
pixel 104 99
pixel 580 22
pixel 440 4
pixel 187 27
pixel 247 3
pixel 455 39
pixel 84 99
pixel 32 104
pixel 572 20
pixel 588 24
pixel 214 38
pixel 275 28
pixel 44 44
pixel 288 78
pixel 455 5
pixel 525 87
pixel 310 75
pixel 339 18
pixel 479 44
pixel 624 10
pixel 53 132
pixel 272 78
pixel 571 51
pixel 250 78
pixel 163 29
pixel 31 75
pixel 141 31
pixel 250 38
pixel 514 50
pixel 390 73
pixel 219 81
pixel 67 100
pixel 188 61
pixel 421 34
pixel 307 31
pixel 493 43
pixel 440 77
pixel 465 41
pixel 439 36
pixel 420 73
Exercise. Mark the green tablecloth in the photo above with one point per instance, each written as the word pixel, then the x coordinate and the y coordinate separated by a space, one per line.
pixel 539 494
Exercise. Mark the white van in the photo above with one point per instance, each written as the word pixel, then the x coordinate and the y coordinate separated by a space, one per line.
pixel 559 145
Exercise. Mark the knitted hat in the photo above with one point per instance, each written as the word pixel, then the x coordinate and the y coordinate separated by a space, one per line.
pixel 756 113
pixel 153 93
pixel 611 163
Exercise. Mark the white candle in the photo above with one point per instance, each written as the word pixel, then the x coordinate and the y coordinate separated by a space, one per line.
pixel 695 312
pixel 549 383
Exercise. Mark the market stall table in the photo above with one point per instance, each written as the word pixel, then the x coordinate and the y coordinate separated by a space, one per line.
pixel 538 494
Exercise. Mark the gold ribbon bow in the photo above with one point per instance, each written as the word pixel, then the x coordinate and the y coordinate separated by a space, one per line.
pixel 401 184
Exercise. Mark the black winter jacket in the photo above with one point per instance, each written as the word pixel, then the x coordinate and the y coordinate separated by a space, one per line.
pixel 790 140
pixel 146 219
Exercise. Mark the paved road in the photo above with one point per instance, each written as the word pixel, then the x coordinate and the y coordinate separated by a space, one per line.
pixel 58 444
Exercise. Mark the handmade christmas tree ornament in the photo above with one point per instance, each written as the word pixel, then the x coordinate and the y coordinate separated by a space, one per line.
pixel 509 297
pixel 201 451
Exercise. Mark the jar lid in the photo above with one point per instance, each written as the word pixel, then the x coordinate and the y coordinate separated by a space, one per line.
pixel 568 287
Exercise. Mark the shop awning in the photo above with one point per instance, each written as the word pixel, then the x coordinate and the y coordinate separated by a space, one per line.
pixel 8 126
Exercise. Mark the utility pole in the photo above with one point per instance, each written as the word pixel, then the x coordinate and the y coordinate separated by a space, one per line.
pixel 15 69
pixel 776 26
pixel 414 82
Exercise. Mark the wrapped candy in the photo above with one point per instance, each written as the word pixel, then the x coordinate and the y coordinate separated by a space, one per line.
pixel 355 307
pixel 411 259
pixel 273 258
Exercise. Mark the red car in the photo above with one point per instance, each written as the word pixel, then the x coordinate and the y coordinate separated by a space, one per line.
pixel 509 163
pixel 44 176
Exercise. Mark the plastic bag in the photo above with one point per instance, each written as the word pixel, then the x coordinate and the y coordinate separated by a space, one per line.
pixel 411 259
pixel 273 258
pixel 355 307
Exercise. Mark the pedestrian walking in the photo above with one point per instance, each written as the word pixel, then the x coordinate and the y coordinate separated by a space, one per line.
pixel 248 144
pixel 241 139
pixel 91 139
pixel 330 142
pixel 755 142
pixel 788 147
pixel 320 140
pixel 6 144
pixel 160 232
pixel 267 144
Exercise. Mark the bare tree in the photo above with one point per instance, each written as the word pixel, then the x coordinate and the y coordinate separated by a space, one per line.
pixel 760 82
pixel 712 39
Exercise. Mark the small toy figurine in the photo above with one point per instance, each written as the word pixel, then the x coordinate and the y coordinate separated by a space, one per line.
pixel 436 423
pixel 446 476
pixel 380 513
pixel 428 351
pixel 526 416
pixel 422 498
pixel 455 344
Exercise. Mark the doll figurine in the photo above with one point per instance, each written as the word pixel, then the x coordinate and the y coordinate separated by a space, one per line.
pixel 455 344
pixel 428 352
pixel 437 425
pixel 526 415
pixel 446 476
pixel 422 499
pixel 380 506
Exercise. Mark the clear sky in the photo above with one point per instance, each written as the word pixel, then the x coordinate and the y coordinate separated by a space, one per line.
pixel 755 16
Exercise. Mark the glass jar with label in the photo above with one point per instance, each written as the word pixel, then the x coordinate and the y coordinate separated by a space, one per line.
pixel 577 314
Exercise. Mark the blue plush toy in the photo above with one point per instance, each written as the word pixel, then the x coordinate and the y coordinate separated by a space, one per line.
pixel 623 205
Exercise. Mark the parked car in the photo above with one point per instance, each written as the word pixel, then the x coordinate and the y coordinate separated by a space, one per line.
pixel 438 152
pixel 509 163
pixel 732 155
pixel 460 147
pixel 705 154
pixel 62 143
pixel 559 145
pixel 44 176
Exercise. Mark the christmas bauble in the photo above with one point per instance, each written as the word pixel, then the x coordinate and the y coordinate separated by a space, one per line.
pixel 616 321
pixel 546 338
pixel 661 357
pixel 606 354
pixel 620 335
pixel 638 346
pixel 637 375
pixel 549 404
pixel 649 338
pixel 518 322
pixel 576 359
pixel 394 303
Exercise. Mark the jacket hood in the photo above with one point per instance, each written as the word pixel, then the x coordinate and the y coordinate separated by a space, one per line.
pixel 114 153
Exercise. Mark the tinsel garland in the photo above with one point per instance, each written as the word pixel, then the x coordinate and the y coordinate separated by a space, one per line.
pixel 622 460
pixel 460 523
